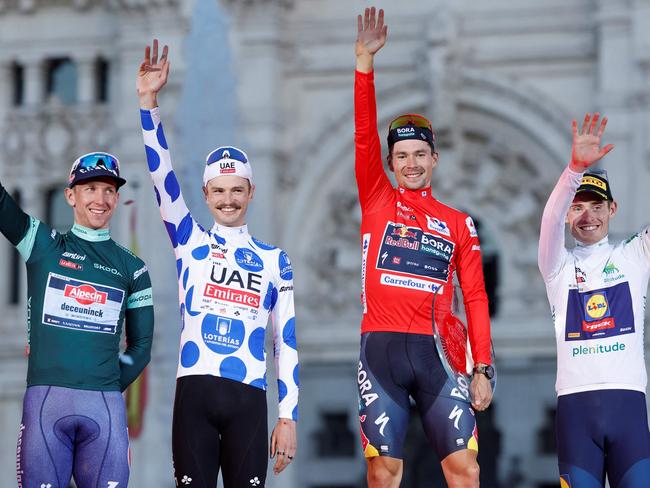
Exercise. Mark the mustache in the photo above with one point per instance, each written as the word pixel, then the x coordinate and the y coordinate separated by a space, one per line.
pixel 232 205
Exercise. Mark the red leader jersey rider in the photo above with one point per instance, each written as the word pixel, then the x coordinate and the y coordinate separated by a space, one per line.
pixel 412 245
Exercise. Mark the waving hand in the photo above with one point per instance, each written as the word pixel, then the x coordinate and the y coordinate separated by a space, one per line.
pixel 586 148
pixel 152 75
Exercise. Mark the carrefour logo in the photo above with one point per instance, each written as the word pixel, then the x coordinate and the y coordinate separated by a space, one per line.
pixel 85 294
pixel 597 306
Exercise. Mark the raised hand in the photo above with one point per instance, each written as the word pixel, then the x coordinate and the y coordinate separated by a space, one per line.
pixel 586 148
pixel 371 37
pixel 152 75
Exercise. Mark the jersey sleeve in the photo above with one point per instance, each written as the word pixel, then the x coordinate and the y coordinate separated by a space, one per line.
pixel 372 182
pixel 470 276
pixel 139 320
pixel 552 253
pixel 18 227
pixel 285 348
pixel 639 246
pixel 174 211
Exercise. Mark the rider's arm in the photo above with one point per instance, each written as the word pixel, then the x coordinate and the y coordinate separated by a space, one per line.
pixel 472 283
pixel 374 186
pixel 285 348
pixel 138 325
pixel 174 211
pixel 552 252
pixel 18 227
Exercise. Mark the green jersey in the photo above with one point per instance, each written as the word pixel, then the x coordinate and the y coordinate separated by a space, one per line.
pixel 82 289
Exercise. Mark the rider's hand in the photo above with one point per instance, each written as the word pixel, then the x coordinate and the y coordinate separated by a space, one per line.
pixel 586 148
pixel 152 75
pixel 371 37
pixel 481 392
pixel 283 444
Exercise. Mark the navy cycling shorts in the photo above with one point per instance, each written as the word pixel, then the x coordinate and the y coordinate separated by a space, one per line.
pixel 603 432
pixel 394 367
pixel 67 432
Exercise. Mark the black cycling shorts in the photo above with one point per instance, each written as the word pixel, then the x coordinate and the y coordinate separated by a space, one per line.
pixel 219 424
pixel 394 367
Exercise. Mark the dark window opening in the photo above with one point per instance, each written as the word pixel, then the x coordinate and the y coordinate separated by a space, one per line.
pixel 57 211
pixel 546 433
pixel 490 256
pixel 102 73
pixel 334 439
pixel 62 80
pixel 18 84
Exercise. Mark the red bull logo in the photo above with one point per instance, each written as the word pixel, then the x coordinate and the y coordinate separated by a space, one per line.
pixel 85 294
pixel 404 232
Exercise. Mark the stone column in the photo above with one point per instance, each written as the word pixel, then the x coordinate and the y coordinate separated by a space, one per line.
pixel 257 43
pixel 34 79
pixel 613 87
pixel 86 82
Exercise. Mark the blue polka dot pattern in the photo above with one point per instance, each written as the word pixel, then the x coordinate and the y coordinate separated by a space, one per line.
pixel 171 231
pixel 153 159
pixel 296 371
pixel 182 317
pixel 186 275
pixel 274 298
pixel 294 413
pixel 185 229
pixel 263 245
pixel 259 383
pixel 201 252
pixel 256 343
pixel 179 267
pixel 190 354
pixel 282 390
pixel 146 120
pixel 188 302
pixel 155 190
pixel 268 297
pixel 172 187
pixel 286 272
pixel 289 333
pixel 160 135
pixel 233 368
pixel 219 239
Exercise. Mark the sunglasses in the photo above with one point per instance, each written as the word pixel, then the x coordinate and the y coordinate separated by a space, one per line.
pixel 97 160
pixel 228 152
pixel 410 119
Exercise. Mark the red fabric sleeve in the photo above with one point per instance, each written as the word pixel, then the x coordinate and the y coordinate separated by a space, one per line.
pixel 374 186
pixel 470 275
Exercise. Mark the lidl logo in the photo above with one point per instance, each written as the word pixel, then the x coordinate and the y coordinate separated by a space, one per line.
pixel 597 306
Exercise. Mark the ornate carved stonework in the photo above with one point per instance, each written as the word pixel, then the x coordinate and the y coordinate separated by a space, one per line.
pixel 32 6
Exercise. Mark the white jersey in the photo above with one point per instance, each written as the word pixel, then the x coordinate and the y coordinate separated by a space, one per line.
pixel 228 284
pixel 597 295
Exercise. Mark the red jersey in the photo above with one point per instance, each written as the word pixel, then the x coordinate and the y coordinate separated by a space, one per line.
pixel 411 244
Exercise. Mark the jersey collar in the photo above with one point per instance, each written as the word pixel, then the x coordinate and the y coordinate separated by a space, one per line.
pixel 596 245
pixel 92 235
pixel 226 231
pixel 413 194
